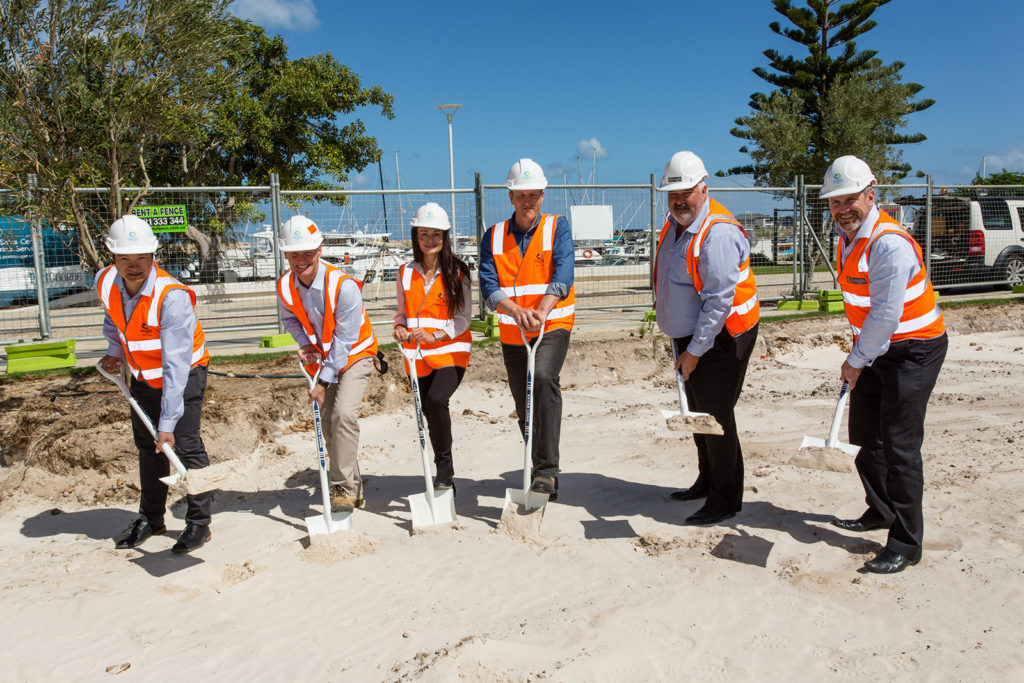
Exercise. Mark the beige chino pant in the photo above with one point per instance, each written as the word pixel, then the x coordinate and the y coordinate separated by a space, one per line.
pixel 340 411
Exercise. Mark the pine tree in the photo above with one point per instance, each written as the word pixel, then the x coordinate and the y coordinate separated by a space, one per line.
pixel 836 100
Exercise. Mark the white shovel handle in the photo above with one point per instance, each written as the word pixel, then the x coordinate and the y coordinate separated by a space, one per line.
pixel 325 494
pixel 410 356
pixel 531 361
pixel 833 432
pixel 167 450
pixel 684 408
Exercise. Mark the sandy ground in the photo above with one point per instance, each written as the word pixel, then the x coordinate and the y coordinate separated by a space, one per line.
pixel 609 586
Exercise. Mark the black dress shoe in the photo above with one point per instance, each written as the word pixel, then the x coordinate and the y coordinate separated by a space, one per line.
pixel 192 538
pixel 137 533
pixel 548 485
pixel 890 562
pixel 705 517
pixel 865 522
pixel 692 493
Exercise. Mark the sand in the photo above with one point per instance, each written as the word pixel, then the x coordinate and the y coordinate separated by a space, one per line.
pixel 607 586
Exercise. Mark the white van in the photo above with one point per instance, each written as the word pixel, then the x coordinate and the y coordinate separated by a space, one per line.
pixel 973 239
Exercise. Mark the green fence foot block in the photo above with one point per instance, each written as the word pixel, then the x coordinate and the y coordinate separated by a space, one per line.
pixel 798 306
pixel 31 363
pixel 830 295
pixel 272 341
pixel 41 356
pixel 650 317
pixel 831 306
pixel 1017 289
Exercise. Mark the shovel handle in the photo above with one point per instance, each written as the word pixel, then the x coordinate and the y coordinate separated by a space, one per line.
pixel 684 408
pixel 833 432
pixel 531 361
pixel 414 382
pixel 167 450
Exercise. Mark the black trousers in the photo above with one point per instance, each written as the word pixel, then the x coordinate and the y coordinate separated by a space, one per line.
pixel 547 396
pixel 714 387
pixel 887 409
pixel 436 390
pixel 188 445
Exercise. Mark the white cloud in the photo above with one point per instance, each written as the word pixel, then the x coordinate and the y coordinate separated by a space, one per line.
pixel 589 149
pixel 1010 159
pixel 362 181
pixel 291 15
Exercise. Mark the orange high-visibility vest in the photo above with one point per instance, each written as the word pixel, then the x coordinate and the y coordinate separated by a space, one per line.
pixel 140 334
pixel 746 309
pixel 429 310
pixel 526 277
pixel 366 344
pixel 921 317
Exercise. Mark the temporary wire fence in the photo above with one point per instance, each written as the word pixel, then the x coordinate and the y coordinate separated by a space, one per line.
pixel 221 241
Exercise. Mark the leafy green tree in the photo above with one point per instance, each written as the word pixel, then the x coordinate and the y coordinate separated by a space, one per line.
pixel 90 88
pixel 1003 177
pixel 835 100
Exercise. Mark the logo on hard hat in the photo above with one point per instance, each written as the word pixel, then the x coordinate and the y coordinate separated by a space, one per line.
pixel 311 228
pixel 297 234
pixel 430 214
pixel 526 174
pixel 133 235
pixel 675 179
pixel 837 176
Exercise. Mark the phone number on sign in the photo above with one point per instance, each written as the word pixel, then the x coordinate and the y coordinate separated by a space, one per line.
pixel 159 221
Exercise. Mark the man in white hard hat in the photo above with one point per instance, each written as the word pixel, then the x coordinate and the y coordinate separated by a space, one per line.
pixel 322 309
pixel 151 326
pixel 526 275
pixel 899 343
pixel 706 302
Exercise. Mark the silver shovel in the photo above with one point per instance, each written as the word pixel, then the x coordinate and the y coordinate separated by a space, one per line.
pixel 525 497
pixel 328 522
pixel 692 417
pixel 429 507
pixel 833 433
pixel 179 468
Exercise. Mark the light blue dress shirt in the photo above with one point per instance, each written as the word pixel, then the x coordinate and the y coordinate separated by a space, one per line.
pixel 348 319
pixel 681 310
pixel 892 262
pixel 177 330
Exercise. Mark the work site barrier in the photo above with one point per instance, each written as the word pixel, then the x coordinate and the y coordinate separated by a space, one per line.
pixel 220 241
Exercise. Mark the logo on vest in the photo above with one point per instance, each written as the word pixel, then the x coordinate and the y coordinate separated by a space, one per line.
pixel 539 256
pixel 857 280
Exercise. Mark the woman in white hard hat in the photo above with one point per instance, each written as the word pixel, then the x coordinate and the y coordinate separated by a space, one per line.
pixel 434 298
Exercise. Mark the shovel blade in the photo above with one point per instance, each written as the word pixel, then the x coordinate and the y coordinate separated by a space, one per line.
pixel 317 524
pixel 171 481
pixel 444 508
pixel 528 499
pixel 670 413
pixel 813 442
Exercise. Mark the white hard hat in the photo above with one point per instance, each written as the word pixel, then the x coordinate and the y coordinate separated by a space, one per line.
pixel 131 235
pixel 526 174
pixel 431 215
pixel 683 171
pixel 846 175
pixel 298 233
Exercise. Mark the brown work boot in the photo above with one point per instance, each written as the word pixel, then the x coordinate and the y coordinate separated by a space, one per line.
pixel 341 501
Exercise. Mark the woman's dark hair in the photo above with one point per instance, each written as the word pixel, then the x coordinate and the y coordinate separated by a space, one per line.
pixel 451 267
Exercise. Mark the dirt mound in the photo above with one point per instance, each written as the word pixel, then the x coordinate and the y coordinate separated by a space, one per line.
pixel 77 428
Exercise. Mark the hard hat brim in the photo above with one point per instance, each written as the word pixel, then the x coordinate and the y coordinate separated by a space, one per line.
pixel 140 249
pixel 525 186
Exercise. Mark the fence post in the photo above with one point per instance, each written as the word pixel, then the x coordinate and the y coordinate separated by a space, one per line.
pixel 797 220
pixel 653 238
pixel 38 260
pixel 928 228
pixel 478 196
pixel 275 218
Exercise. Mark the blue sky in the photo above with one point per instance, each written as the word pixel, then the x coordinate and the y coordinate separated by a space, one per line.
pixel 637 82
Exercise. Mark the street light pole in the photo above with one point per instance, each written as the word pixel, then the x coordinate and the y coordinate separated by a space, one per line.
pixel 449 111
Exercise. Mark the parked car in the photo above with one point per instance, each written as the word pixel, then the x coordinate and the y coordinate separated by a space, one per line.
pixel 973 238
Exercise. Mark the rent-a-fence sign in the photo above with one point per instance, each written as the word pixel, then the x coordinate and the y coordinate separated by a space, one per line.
pixel 168 218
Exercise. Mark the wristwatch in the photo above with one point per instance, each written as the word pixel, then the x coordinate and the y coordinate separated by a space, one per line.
pixel 324 383
pixel 438 336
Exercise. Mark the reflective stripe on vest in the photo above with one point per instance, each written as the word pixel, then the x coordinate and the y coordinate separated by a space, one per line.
pixel 526 277
pixel 429 309
pixel 745 310
pixel 921 317
pixel 140 334
pixel 366 342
